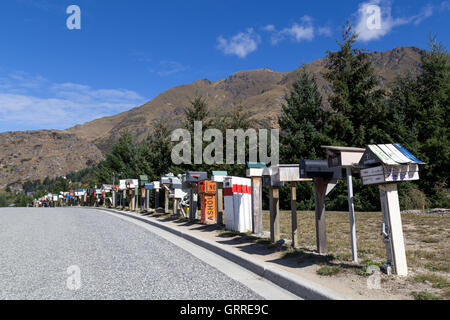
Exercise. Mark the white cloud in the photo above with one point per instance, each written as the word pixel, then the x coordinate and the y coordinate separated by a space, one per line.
pixel 375 19
pixel 241 44
pixel 33 102
pixel 303 31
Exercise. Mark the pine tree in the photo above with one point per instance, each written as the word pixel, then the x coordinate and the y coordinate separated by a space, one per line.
pixel 302 121
pixel 196 111
pixel 356 99
pixel 418 119
pixel 156 150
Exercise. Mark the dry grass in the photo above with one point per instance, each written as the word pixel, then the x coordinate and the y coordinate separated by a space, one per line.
pixel 426 237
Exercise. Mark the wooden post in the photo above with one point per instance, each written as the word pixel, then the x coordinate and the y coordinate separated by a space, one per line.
pixel 320 188
pixel 147 199
pixel 257 205
pixel 156 199
pixel 166 200
pixel 220 213
pixel 392 230
pixel 193 202
pixel 136 196
pixel 175 206
pixel 274 214
pixel 294 215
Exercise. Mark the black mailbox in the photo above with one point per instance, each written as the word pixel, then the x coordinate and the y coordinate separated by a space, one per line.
pixel 318 169
pixel 193 176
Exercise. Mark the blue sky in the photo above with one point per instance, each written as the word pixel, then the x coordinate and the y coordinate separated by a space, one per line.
pixel 128 52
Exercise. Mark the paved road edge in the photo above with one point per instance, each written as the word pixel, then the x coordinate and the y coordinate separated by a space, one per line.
pixel 288 281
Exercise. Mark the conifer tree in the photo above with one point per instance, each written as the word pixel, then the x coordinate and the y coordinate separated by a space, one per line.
pixel 356 98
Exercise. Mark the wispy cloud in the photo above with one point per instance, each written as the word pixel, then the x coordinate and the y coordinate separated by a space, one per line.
pixel 168 67
pixel 297 32
pixel 241 45
pixel 370 28
pixel 32 102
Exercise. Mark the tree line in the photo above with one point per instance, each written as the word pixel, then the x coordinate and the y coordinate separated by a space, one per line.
pixel 413 112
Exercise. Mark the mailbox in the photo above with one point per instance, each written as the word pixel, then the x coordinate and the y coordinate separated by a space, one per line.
pixel 343 157
pixel 143 179
pixel 156 184
pixel 219 176
pixel 132 183
pixel 207 192
pixel 122 184
pixel 255 169
pixel 388 163
pixel 194 176
pixel 318 169
pixel 269 178
pixel 149 186
pixel 287 173
pixel 175 183
pixel 166 180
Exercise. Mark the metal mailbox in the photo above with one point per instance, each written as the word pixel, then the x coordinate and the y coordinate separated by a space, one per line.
pixel 194 176
pixel 166 180
pixel 318 169
pixel 268 176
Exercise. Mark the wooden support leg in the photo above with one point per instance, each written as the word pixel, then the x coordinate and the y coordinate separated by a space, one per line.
pixel 220 213
pixel 274 215
pixel 294 215
pixel 257 205
pixel 192 204
pixel 392 229
pixel 166 201
pixel 175 206
pixel 156 199
pixel 320 188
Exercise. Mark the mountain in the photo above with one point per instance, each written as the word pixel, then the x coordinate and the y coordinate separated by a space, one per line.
pixel 260 91
pixel 33 155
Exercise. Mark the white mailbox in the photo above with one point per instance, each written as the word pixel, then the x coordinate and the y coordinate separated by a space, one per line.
pixel 343 157
pixel 287 173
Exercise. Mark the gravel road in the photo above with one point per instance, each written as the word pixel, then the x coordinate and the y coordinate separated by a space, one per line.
pixel 116 259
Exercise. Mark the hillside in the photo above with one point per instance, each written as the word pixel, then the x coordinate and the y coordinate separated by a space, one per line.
pixel 38 154
pixel 32 155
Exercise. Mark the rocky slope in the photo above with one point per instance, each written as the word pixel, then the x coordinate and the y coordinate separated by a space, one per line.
pixel 34 155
